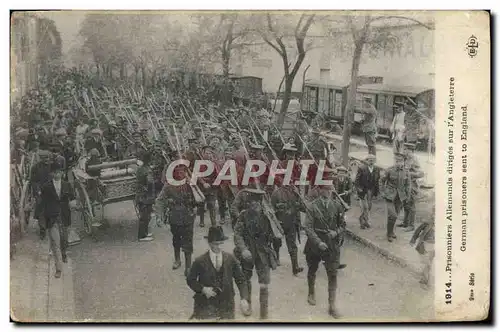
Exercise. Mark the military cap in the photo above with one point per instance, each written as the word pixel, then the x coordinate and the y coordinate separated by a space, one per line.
pixel 191 139
pixel 316 131
pixel 244 131
pixel 231 130
pixel 256 146
pixel 44 154
pixel 410 146
pixel 369 156
pixel 61 132
pixel 92 120
pixel 143 109
pixel 197 128
pixel 365 98
pixel 112 123
pixel 212 126
pixel 136 134
pixel 255 191
pixel 96 131
pixel 209 147
pixel 94 153
pixel 398 104
pixel 398 155
pixel 289 147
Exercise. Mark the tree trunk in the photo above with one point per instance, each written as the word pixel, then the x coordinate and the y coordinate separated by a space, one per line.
pixel 144 78
pixel 351 101
pixel 286 101
pixel 225 86
pixel 122 71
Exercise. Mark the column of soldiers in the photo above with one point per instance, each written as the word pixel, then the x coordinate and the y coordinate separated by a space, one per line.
pixel 261 215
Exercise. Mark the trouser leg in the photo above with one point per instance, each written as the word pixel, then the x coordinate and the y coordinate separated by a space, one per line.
pixel 277 243
pixel 222 204
pixel 201 213
pixel 331 271
pixel 291 244
pixel 393 209
pixel 63 232
pixel 409 213
pixel 312 268
pixel 264 301
pixel 144 216
pixel 55 245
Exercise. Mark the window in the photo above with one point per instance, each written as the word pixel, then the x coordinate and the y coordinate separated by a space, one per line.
pixel 305 99
pixel 323 101
pixel 338 104
pixel 312 99
pixel 331 103
pixel 382 109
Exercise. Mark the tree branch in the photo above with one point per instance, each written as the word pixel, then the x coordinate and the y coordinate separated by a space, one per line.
pixel 378 18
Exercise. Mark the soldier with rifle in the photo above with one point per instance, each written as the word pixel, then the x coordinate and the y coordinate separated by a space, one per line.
pixel 288 205
pixel 324 225
pixel 253 238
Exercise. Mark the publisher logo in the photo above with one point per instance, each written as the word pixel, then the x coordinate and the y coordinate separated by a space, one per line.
pixel 472 46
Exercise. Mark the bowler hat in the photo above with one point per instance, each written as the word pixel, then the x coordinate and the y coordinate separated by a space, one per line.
pixel 58 164
pixel 215 234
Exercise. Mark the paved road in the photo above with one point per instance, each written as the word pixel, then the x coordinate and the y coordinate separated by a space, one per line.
pixel 119 279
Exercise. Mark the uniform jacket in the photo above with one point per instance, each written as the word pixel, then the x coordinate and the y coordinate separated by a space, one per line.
pixel 396 182
pixel 370 120
pixel 203 274
pixel 367 180
pixel 253 232
pixel 145 190
pixel 325 214
pixel 56 207
pixel 287 205
pixel 180 203
pixel 413 167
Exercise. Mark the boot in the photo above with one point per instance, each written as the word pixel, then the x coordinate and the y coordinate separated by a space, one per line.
pixel 332 295
pixel 264 303
pixel 277 246
pixel 390 229
pixel 177 255
pixel 201 213
pixel 296 269
pixel 311 298
pixel 249 286
pixel 213 219
pixel 187 257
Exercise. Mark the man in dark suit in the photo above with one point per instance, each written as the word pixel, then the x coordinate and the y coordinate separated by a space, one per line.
pixel 211 278
pixel 56 194
pixel 367 186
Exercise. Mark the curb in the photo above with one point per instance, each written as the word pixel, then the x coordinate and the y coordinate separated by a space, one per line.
pixel 383 252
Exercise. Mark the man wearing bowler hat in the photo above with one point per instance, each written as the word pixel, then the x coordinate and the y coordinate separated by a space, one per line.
pixel 211 278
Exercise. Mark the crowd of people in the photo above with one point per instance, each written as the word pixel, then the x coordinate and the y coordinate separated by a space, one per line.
pixel 72 124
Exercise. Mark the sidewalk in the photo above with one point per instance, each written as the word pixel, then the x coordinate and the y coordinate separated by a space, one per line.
pixel 398 251
pixel 375 238
pixel 385 157
pixel 35 294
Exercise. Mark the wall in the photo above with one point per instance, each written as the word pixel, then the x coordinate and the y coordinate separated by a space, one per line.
pixel 412 64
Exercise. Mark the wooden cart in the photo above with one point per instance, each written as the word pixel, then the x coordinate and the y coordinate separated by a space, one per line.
pixel 116 183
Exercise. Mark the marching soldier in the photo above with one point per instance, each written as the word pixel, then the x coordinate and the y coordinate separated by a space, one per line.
pixel 413 167
pixel 180 202
pixel 253 238
pixel 134 150
pixel 324 227
pixel 288 205
pixel 397 190
pixel 112 141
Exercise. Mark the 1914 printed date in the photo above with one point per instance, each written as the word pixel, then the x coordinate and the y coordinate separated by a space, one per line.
pixel 447 295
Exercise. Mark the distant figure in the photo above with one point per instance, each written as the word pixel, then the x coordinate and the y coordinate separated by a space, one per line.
pixel 369 125
pixel 367 186
pixel 397 128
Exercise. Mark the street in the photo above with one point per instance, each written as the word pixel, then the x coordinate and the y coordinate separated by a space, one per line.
pixel 118 279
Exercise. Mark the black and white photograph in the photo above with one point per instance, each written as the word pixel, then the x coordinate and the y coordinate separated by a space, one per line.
pixel 246 166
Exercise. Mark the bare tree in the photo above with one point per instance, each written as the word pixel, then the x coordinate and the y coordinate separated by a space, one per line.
pixel 277 39
pixel 364 33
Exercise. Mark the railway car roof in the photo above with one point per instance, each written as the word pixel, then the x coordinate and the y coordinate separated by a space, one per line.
pixel 410 91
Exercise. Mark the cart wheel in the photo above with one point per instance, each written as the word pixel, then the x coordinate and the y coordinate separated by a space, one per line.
pixel 136 207
pixel 88 212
